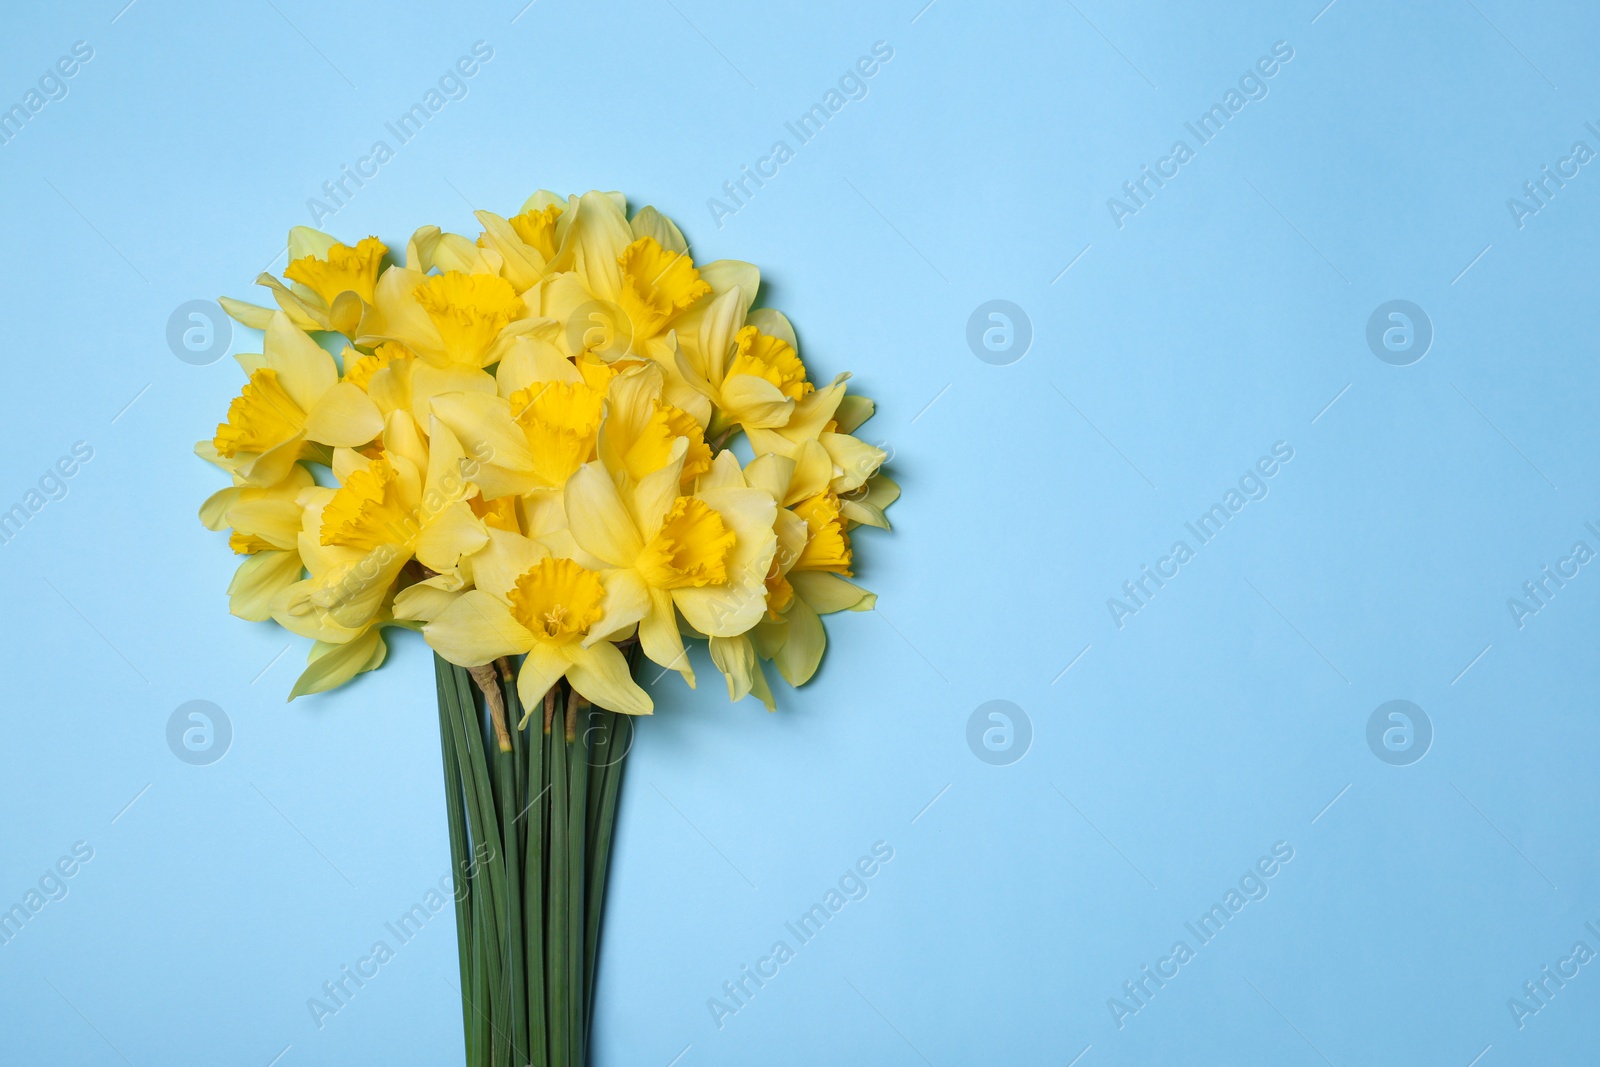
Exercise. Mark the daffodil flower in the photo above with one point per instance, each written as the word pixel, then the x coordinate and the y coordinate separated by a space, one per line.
pixel 641 428
pixel 528 241
pixel 406 501
pixel 624 288
pixel 551 609
pixel 331 284
pixel 292 402
pixel 705 555
pixel 533 438
pixel 826 460
pixel 265 526
pixel 806 580
pixel 456 322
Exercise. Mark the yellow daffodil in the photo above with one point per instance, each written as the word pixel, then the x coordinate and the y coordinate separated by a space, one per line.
pixel 452 320
pixel 806 580
pixel 522 450
pixel 533 438
pixel 528 241
pixel 265 524
pixel 825 459
pixel 548 609
pixel 292 402
pixel 623 288
pixel 705 555
pixel 641 427
pixel 409 500
pixel 331 284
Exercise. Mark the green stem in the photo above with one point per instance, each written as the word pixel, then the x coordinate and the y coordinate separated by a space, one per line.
pixel 558 987
pixel 459 851
pixel 488 857
pixel 512 958
pixel 610 757
pixel 531 825
pixel 577 843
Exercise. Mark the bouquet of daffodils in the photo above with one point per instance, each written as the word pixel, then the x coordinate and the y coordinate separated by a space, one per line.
pixel 557 450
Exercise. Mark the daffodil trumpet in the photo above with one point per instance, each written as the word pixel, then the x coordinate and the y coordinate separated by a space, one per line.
pixel 559 449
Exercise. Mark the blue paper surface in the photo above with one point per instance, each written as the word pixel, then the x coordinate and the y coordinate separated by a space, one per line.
pixel 1340 347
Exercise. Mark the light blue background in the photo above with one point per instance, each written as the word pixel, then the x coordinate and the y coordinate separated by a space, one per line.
pixel 1223 717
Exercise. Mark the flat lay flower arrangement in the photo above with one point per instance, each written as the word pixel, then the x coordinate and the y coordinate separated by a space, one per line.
pixel 560 450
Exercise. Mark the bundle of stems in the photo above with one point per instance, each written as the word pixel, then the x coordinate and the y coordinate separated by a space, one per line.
pixel 531 807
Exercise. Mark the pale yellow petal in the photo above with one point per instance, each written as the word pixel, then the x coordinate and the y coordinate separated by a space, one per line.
pixel 854 461
pixel 736 658
pixel 852 411
pixel 653 497
pixel 627 601
pixel 598 235
pixel 801 652
pixel 542 668
pixel 651 223
pixel 827 593
pixel 260 578
pixel 214 512
pixel 598 518
pixel 271 466
pixel 659 638
pixel 251 315
pixel 304 369
pixel 332 665
pixel 600 673
pixel 476 629
pixel 505 558
pixel 448 535
pixel 424 601
pixel 755 402
pixel 428 382
pixel 344 416
pixel 773 323
pixel 275 520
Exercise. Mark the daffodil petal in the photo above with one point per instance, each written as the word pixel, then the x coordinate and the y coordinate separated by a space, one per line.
pixel 344 416
pixel 736 658
pixel 598 519
pixel 659 638
pixel 448 535
pixel 827 593
pixel 601 674
pixel 543 667
pixel 476 629
pixel 503 559
pixel 627 601
pixel 752 401
pixel 802 649
pixel 260 578
pixel 304 369
pixel 331 665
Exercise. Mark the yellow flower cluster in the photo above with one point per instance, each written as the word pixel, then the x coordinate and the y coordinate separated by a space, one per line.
pixel 530 445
